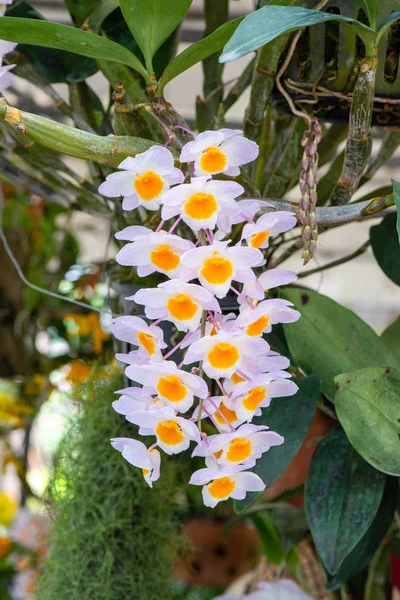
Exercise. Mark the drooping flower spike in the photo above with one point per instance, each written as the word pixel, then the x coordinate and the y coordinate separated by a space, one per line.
pixel 143 179
pixel 170 398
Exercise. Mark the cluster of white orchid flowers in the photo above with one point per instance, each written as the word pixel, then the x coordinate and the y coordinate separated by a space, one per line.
pixel 285 589
pixel 170 400
pixel 6 78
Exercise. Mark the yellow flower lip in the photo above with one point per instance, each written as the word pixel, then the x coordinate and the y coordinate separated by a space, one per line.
pixel 257 239
pixel 200 206
pixel 213 160
pixel 239 449
pixel 258 326
pixel 169 433
pixel 254 398
pixel 165 258
pixel 149 185
pixel 182 307
pixel 223 356
pixel 217 270
pixel 171 388
pixel 147 341
pixel 222 487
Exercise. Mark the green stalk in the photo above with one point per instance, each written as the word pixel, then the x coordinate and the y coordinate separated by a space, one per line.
pixel 265 146
pixel 215 14
pixel 109 150
pixel 359 139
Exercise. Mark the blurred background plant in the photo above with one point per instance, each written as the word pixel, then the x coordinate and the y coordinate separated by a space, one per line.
pixel 313 99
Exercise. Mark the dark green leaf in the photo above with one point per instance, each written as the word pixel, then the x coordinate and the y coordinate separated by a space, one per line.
pixel 386 247
pixel 80 9
pixel 152 22
pixel 386 23
pixel 267 23
pixel 198 52
pixel 396 195
pixel 290 417
pixel 57 66
pixel 271 543
pixel 391 337
pixel 364 551
pixel 63 37
pixel 99 13
pixel 330 339
pixel 368 407
pixel 342 496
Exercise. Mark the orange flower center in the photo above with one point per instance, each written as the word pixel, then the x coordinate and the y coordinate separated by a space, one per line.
pixel 217 270
pixel 237 379
pixel 213 160
pixel 182 307
pixel 169 433
pixel 221 488
pixel 239 449
pixel 5 546
pixel 258 326
pixel 254 398
pixel 171 388
pixel 223 356
pixel 164 258
pixel 259 238
pixel 147 341
pixel 149 185
pixel 145 472
pixel 224 411
pixel 200 206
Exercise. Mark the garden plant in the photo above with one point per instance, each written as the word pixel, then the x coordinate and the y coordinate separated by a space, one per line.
pixel 225 359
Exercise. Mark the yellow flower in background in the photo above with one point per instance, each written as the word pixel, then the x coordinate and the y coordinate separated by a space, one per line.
pixel 8 508
pixel 78 371
pixel 85 325
pixel 5 546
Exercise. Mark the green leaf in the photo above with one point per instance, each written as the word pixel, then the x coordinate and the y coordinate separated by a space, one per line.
pixel 364 551
pixel 100 12
pixel 391 337
pixel 330 339
pixel 342 497
pixel 396 195
pixel 386 24
pixel 267 23
pixel 198 52
pixel 386 247
pixel 152 22
pixel 367 405
pixel 290 417
pixel 371 8
pixel 80 9
pixel 57 66
pixel 271 543
pixel 63 37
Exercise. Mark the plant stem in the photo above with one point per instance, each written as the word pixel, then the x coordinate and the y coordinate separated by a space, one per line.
pixel 359 140
pixel 337 262
pixel 242 83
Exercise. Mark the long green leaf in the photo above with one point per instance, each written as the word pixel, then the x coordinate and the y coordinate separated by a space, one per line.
pixel 367 404
pixel 342 497
pixel 271 542
pixel 364 551
pixel 152 22
pixel 329 339
pixel 396 194
pixel 267 23
pixel 391 337
pixel 385 244
pixel 387 23
pixel 198 52
pixel 63 37
pixel 371 8
pixel 290 417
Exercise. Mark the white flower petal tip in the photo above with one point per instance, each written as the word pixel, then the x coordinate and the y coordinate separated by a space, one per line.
pixel 222 151
pixel 143 179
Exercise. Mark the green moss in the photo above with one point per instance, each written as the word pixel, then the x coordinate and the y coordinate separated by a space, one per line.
pixel 113 536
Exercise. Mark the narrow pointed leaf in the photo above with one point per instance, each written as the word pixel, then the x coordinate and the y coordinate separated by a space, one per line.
pixel 396 195
pixel 342 496
pixel 290 417
pixel 385 245
pixel 387 23
pixel 371 8
pixel 198 51
pixel 71 39
pixel 367 405
pixel 267 23
pixel 330 339
pixel 152 21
